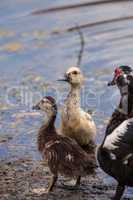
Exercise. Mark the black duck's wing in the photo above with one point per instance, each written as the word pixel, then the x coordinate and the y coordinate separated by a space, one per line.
pixel 120 141
pixel 116 119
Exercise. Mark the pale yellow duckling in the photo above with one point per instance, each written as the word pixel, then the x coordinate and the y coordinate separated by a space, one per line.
pixel 75 122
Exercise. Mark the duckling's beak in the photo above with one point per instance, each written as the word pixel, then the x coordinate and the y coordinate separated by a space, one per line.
pixel 63 79
pixel 36 107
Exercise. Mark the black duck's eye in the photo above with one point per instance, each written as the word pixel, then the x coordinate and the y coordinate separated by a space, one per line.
pixel 75 72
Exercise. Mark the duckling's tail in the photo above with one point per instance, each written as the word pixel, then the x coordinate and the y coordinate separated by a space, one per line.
pixel 90 148
pixel 91 166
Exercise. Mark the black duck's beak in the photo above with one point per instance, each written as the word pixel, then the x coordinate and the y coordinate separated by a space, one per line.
pixel 113 82
pixel 36 107
pixel 118 72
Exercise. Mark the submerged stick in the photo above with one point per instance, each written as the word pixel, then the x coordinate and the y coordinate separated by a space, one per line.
pixel 82 43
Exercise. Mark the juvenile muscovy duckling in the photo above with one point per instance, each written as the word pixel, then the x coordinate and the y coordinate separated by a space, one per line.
pixel 115 154
pixel 63 155
pixel 75 122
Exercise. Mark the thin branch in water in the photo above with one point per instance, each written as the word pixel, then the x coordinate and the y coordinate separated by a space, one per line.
pixel 82 43
pixel 75 6
pixel 93 24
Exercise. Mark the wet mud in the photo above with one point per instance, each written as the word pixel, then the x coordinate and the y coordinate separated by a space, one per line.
pixel 25 179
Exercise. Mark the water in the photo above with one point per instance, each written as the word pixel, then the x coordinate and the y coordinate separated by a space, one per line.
pixel 35 50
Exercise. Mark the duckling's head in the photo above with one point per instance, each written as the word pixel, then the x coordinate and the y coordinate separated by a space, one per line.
pixel 47 104
pixel 121 71
pixel 73 76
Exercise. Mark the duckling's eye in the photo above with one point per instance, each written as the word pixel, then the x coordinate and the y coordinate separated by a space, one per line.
pixel 75 72
pixel 43 101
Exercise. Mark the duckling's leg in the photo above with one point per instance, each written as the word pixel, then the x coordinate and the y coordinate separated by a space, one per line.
pixel 52 183
pixel 119 192
pixel 78 181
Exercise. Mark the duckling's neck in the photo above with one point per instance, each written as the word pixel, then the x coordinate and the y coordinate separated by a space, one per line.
pixel 74 96
pixel 47 131
pixel 50 121
pixel 71 109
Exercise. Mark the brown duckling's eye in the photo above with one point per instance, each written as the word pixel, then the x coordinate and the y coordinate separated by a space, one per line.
pixel 43 101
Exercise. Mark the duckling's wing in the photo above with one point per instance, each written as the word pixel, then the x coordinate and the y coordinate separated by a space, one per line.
pixel 120 141
pixel 79 156
pixel 86 115
pixel 66 155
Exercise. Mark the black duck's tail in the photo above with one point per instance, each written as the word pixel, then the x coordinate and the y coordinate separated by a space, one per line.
pixel 113 167
pixel 105 160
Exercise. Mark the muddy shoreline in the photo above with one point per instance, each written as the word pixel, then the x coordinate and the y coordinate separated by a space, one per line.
pixel 25 179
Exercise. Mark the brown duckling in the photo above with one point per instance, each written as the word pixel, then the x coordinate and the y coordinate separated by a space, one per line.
pixel 75 122
pixel 63 154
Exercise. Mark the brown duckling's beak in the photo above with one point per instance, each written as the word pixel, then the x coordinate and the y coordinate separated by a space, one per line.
pixel 36 107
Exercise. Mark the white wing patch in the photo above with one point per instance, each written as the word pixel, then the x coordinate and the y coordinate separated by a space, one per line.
pixel 114 137
pixel 69 158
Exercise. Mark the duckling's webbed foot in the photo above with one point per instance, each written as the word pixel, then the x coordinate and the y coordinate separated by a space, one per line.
pixel 119 192
pixel 52 183
pixel 72 186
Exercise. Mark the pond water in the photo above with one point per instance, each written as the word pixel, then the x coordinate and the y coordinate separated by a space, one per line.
pixel 36 49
